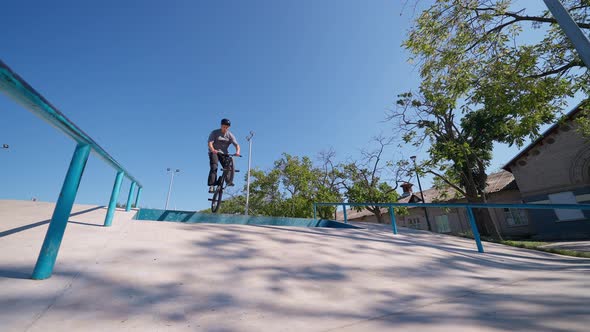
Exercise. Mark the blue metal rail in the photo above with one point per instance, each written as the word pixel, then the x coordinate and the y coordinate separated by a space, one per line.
pixel 19 90
pixel 468 206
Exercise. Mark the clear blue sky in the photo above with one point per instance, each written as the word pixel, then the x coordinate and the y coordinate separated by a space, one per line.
pixel 148 80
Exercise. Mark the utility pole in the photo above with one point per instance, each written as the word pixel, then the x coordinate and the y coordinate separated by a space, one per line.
pixel 249 139
pixel 421 193
pixel 170 186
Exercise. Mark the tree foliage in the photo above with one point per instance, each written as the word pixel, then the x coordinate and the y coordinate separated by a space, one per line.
pixel 294 183
pixel 483 83
pixel 288 190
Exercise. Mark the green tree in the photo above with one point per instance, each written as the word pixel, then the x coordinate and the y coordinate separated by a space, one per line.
pixel 265 196
pixel 298 178
pixel 583 120
pixel 481 84
pixel 234 204
pixel 289 189
pixel 480 43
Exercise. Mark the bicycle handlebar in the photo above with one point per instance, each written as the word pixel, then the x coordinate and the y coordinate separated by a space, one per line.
pixel 231 154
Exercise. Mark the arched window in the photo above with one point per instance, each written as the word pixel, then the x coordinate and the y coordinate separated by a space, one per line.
pixel 580 169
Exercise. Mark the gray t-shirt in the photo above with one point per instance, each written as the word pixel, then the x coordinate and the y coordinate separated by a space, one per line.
pixel 220 141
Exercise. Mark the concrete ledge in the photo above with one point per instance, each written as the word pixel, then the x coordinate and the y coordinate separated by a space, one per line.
pixel 214 218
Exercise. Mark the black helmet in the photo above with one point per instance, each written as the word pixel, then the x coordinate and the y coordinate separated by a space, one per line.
pixel 225 122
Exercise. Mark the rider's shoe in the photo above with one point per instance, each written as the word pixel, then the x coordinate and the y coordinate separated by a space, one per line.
pixel 231 184
pixel 211 189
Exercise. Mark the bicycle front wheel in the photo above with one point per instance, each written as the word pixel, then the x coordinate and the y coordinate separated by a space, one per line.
pixel 216 200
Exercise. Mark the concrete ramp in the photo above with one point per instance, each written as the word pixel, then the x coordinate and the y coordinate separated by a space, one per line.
pixel 174 276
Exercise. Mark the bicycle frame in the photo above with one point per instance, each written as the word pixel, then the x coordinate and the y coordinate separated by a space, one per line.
pixel 226 161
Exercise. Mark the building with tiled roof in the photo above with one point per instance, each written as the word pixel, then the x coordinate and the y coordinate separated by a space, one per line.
pixel 555 168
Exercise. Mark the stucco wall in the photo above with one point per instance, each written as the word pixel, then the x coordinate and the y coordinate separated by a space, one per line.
pixel 561 162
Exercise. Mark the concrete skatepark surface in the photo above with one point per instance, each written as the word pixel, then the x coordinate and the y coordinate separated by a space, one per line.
pixel 166 276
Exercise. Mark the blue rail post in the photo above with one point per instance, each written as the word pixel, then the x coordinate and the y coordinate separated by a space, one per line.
pixel 131 190
pixel 314 211
pixel 138 196
pixel 393 224
pixel 108 220
pixel 474 229
pixel 345 216
pixel 61 214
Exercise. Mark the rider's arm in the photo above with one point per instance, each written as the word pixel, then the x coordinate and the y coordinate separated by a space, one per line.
pixel 211 148
pixel 210 142
pixel 235 143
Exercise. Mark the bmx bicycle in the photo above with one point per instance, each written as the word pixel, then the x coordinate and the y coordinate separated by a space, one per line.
pixel 227 162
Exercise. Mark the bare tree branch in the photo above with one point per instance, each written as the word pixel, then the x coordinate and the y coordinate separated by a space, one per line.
pixel 518 18
pixel 561 69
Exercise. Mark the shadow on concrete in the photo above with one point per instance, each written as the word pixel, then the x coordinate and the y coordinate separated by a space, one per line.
pixel 14 272
pixel 44 222
pixel 85 224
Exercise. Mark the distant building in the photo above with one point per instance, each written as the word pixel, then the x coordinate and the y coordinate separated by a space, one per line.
pixel 556 169
pixel 501 187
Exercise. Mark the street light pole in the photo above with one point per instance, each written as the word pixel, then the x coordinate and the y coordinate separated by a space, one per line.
pixel 571 29
pixel 170 186
pixel 249 139
pixel 421 193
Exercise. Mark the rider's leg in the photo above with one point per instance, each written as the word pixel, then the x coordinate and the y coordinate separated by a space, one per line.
pixel 213 161
pixel 231 174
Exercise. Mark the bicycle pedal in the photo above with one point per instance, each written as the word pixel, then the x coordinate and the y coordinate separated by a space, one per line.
pixel 237 171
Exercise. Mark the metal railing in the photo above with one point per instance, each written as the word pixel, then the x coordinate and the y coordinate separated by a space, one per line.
pixel 19 90
pixel 468 206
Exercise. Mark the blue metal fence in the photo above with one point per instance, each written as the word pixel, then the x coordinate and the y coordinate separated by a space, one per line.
pixel 468 206
pixel 19 90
